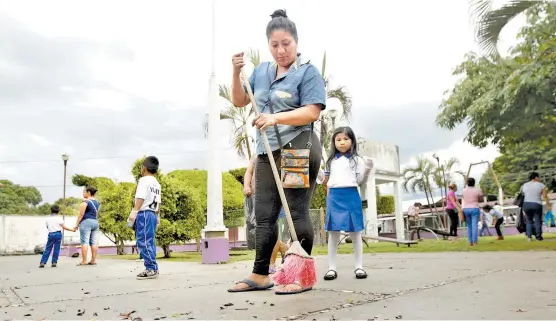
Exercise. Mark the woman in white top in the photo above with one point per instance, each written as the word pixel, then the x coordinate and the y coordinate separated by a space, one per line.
pixel 345 171
pixel 533 193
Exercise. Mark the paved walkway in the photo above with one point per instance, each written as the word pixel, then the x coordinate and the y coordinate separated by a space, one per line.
pixel 491 285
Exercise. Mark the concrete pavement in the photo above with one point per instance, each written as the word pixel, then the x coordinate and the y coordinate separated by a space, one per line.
pixel 463 285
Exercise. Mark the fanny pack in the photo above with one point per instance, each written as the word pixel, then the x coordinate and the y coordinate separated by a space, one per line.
pixel 294 162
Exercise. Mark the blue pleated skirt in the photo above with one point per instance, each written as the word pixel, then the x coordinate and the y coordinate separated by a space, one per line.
pixel 344 211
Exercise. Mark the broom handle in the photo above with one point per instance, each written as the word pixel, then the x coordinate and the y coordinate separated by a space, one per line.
pixel 271 159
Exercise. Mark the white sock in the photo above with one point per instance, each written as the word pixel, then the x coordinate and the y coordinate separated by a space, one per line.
pixel 357 242
pixel 333 239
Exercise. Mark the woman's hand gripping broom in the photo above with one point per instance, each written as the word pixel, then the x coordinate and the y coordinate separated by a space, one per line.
pixel 298 267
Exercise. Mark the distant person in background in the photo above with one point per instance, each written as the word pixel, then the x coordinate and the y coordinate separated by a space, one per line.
pixel 453 208
pixel 485 223
pixel 54 225
pixel 533 194
pixel 471 210
pixel 552 185
pixel 249 204
pixel 413 215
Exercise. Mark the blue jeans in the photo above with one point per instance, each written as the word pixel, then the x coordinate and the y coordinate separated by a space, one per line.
pixel 88 232
pixel 533 215
pixel 145 234
pixel 54 241
pixel 472 221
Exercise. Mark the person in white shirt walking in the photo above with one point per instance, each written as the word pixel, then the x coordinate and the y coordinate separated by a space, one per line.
pixel 345 171
pixel 54 225
pixel 145 216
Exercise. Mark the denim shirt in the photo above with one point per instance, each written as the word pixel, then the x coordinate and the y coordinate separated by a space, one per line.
pixel 302 85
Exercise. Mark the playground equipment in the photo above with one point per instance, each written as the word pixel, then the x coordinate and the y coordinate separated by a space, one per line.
pixel 491 170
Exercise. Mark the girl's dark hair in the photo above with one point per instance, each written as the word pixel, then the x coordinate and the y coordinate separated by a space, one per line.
pixel 91 190
pixel 280 21
pixel 487 208
pixel 471 182
pixel 333 151
pixel 533 175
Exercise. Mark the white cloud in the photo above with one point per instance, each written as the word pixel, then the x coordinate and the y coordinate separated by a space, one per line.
pixel 40 140
pixel 160 56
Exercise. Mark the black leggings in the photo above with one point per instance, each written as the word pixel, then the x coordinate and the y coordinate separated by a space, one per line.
pixel 268 203
pixel 497 226
pixel 453 215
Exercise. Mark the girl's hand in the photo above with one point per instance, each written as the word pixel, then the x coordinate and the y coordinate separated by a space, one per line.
pixel 368 162
pixel 263 121
pixel 237 62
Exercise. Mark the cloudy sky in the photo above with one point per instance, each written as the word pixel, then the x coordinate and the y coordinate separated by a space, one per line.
pixel 110 81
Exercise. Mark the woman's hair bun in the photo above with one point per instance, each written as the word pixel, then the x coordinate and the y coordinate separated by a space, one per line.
pixel 279 13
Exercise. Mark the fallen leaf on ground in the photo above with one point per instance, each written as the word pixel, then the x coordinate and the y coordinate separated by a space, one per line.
pixel 127 315
pixel 80 313
pixel 228 304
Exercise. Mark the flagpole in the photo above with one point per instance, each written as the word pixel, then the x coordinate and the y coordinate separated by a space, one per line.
pixel 215 244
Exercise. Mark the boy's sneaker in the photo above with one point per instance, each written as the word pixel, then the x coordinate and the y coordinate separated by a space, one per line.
pixel 41 265
pixel 148 274
pixel 53 264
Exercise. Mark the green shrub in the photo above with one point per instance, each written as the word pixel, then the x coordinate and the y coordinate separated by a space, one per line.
pixel 386 205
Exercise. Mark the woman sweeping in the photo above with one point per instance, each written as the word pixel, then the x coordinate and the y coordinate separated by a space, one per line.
pixel 290 93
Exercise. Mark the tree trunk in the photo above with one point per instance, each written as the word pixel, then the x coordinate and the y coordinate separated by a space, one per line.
pixel 432 197
pixel 198 244
pixel 120 246
pixel 166 249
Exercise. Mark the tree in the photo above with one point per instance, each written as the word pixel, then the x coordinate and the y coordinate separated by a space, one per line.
pixel 341 93
pixel 513 167
pixel 449 169
pixel 418 178
pixel 232 194
pixel 509 101
pixel 238 174
pixel 17 199
pixel 238 117
pixel 489 23
pixel 117 202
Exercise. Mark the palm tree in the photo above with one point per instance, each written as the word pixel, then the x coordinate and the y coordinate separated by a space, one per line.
pixel 342 95
pixel 450 170
pixel 490 22
pixel 418 178
pixel 238 117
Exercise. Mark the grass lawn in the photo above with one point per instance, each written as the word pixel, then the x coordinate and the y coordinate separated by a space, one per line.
pixel 510 243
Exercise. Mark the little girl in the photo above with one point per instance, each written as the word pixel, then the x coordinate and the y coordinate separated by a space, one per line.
pixel 345 170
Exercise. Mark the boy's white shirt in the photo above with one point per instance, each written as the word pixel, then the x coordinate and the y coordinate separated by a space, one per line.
pixel 149 190
pixel 54 223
